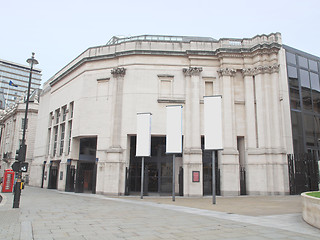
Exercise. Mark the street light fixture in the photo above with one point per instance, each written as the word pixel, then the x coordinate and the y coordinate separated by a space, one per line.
pixel 23 147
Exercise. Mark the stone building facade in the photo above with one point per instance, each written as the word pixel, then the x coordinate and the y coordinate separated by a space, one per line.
pixel 86 131
pixel 11 127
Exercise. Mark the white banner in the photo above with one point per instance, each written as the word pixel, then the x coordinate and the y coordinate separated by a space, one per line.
pixel 174 129
pixel 212 123
pixel 143 146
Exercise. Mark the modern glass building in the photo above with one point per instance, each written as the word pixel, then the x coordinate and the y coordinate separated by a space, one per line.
pixel 304 89
pixel 14 80
pixel 303 76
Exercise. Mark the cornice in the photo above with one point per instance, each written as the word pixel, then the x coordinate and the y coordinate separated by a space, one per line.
pixel 249 51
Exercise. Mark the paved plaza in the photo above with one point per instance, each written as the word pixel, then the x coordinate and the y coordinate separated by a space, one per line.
pixel 51 214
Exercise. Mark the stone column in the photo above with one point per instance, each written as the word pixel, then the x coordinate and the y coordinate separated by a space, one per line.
pixel 192 153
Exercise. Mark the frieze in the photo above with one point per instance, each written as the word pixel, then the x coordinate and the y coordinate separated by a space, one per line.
pixel 118 72
pixel 261 70
pixel 226 72
pixel 192 71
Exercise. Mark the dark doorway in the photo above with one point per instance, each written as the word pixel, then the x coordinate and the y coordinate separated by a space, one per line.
pixel 158 168
pixel 207 171
pixel 84 182
pixel 53 176
pixel 242 165
pixel 86 167
pixel 70 177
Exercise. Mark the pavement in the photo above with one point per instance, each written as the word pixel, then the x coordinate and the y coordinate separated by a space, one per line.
pixel 50 214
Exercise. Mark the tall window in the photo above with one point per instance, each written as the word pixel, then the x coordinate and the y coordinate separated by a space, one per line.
pixel 64 113
pixel 62 127
pixel 69 136
pixel 55 140
pixel 71 110
pixel 48 141
pixel 57 115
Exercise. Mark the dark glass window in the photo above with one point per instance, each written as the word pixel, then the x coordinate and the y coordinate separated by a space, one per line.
pixel 303 62
pixel 313 65
pixel 317 128
pixel 309 129
pixel 292 72
pixel 306 99
pixel 316 101
pixel 291 58
pixel 304 78
pixel 297 133
pixel 294 98
pixel 314 81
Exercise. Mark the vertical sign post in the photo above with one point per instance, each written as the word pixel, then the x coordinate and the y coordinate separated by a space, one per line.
pixel 143 146
pixel 213 132
pixel 174 137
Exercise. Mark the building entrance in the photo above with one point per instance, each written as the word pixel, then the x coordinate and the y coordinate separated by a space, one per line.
pixel 87 166
pixel 158 169
pixel 53 175
pixel 207 171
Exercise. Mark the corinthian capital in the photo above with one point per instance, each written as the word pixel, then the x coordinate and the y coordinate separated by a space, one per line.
pixel 248 71
pixel 226 72
pixel 261 70
pixel 192 71
pixel 118 72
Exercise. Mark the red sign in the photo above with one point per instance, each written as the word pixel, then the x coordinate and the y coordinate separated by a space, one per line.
pixel 8 180
pixel 195 176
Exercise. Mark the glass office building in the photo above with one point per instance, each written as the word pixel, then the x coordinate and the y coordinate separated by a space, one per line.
pixel 303 76
pixel 14 80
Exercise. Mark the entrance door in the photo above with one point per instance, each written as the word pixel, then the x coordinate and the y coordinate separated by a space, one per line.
pixel 53 177
pixel 207 171
pixel 158 168
pixel 85 173
pixel 71 171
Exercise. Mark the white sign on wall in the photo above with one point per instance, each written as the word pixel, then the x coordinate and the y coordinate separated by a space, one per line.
pixel 212 123
pixel 174 129
pixel 143 146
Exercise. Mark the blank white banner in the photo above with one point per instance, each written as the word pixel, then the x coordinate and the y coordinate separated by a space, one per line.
pixel 212 123
pixel 174 129
pixel 143 146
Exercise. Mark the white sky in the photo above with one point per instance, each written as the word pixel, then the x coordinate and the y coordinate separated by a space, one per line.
pixel 59 30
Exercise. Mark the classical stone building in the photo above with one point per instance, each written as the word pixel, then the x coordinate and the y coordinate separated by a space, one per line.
pixel 11 131
pixel 86 131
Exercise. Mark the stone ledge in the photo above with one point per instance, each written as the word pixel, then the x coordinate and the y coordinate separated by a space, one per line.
pixel 311 210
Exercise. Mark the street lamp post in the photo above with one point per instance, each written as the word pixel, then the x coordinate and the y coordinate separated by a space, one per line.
pixel 23 147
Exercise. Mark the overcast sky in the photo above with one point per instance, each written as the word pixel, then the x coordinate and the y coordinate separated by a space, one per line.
pixel 60 30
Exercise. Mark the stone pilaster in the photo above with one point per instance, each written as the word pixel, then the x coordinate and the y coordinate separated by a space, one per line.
pixel 251 130
pixel 229 140
pixel 117 93
pixel 111 171
pixel 229 164
pixel 192 160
